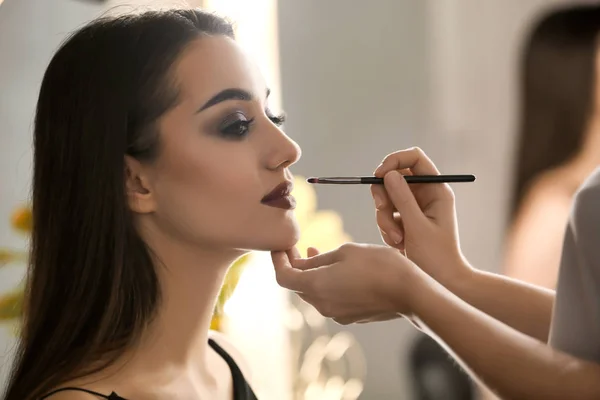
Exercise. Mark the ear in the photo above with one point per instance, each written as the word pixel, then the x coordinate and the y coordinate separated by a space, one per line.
pixel 137 185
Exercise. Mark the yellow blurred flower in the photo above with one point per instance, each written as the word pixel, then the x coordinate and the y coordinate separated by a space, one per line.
pixel 22 219
pixel 11 305
pixel 10 256
pixel 6 256
pixel 216 323
pixel 231 280
pixel 321 229
pixel 306 197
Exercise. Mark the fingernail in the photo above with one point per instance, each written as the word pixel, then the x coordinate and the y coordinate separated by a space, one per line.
pixel 396 237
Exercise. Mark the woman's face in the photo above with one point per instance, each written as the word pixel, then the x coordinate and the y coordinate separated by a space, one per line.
pixel 221 179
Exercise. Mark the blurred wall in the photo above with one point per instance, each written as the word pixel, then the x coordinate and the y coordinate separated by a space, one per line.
pixel 355 86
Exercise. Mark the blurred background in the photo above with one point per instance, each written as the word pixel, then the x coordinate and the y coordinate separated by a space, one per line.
pixel 357 80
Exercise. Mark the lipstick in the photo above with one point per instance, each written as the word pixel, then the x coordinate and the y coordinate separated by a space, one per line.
pixel 281 197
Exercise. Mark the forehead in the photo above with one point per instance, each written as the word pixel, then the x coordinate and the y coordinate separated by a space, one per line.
pixel 211 64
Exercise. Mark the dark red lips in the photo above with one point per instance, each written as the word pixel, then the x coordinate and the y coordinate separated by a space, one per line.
pixel 281 197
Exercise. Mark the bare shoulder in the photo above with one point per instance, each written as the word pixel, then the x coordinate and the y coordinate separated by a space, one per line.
pixel 534 239
pixel 223 341
pixel 555 182
pixel 544 209
pixel 546 194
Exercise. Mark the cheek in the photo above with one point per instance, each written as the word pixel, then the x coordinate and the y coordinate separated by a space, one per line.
pixel 206 189
pixel 212 197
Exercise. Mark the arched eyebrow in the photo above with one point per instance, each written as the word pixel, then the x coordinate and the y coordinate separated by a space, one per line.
pixel 229 94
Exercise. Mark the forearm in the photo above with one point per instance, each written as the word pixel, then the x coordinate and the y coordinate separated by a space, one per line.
pixel 522 306
pixel 512 364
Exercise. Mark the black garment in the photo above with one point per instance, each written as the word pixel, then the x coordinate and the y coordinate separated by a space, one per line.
pixel 241 389
pixel 436 375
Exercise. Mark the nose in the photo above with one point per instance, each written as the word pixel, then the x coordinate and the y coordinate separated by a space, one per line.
pixel 283 150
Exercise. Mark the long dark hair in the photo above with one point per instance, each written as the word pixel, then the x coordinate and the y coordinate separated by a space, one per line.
pixel 91 284
pixel 558 76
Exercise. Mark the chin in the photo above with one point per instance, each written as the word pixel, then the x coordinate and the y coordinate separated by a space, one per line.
pixel 285 243
pixel 277 240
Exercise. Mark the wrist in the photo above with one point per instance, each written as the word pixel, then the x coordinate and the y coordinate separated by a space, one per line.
pixel 420 288
pixel 423 287
pixel 463 279
pixel 407 286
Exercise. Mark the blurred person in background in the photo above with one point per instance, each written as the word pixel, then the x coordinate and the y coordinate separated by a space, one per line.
pixel 558 139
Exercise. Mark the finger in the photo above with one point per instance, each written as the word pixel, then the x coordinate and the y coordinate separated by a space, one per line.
pixel 414 159
pixel 387 239
pixel 387 225
pixel 319 260
pixel 393 242
pixel 398 220
pixel 287 276
pixel 403 198
pixel 295 257
pixel 380 196
pixel 384 215
pixel 294 254
pixel 312 251
pixel 400 225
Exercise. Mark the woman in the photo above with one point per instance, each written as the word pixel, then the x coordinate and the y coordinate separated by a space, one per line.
pixel 496 326
pixel 559 137
pixel 157 164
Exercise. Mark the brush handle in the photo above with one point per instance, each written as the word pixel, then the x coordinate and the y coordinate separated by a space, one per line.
pixel 371 180
pixel 434 179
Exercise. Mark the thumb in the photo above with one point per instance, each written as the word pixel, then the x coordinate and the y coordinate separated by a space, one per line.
pixel 403 198
pixel 281 261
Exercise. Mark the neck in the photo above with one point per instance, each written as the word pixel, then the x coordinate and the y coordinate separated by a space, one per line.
pixel 191 279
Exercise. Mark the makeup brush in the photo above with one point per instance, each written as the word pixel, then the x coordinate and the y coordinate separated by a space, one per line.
pixel 371 180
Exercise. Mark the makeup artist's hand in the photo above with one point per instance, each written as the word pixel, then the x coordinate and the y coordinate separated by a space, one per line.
pixel 419 219
pixel 353 283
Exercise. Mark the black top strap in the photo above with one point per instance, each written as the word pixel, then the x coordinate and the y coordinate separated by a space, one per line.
pixel 112 396
pixel 241 389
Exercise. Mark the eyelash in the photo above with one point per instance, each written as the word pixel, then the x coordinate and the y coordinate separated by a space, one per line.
pixel 240 128
pixel 276 119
